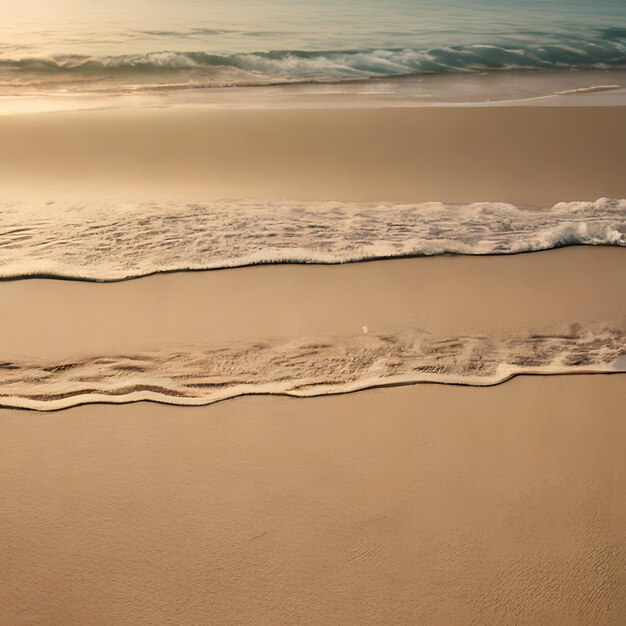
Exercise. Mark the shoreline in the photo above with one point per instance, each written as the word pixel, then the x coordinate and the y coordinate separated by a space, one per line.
pixel 144 398
pixel 397 257
pixel 491 88
pixel 307 330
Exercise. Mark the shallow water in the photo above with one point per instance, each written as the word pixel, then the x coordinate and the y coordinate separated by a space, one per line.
pixel 113 240
pixel 121 46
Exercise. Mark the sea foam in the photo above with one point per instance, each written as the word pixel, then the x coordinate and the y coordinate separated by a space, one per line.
pixel 116 240
pixel 308 366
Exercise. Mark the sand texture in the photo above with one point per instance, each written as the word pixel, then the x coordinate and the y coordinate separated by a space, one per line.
pixel 425 504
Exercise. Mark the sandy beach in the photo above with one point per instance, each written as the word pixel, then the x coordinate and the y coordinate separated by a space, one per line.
pixel 425 504
pixel 313 313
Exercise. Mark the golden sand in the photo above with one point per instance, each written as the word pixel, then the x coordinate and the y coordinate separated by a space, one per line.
pixel 532 155
pixel 425 504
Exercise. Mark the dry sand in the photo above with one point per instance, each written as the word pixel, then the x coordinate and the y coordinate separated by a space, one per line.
pixel 426 504
pixel 522 155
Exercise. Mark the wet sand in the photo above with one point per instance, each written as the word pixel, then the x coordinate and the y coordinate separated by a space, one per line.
pixel 498 296
pixel 425 504
pixel 524 155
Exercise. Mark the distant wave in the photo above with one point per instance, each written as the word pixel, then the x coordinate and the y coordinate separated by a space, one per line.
pixel 116 240
pixel 602 49
pixel 307 367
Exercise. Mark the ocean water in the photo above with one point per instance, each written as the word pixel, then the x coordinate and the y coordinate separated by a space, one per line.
pixel 64 46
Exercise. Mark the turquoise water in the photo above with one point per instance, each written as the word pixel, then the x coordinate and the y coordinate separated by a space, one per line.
pixel 140 44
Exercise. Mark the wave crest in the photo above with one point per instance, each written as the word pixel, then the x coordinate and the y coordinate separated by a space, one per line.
pixel 604 50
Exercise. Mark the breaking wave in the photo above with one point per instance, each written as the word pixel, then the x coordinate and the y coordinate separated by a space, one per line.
pixel 308 367
pixel 603 49
pixel 108 241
